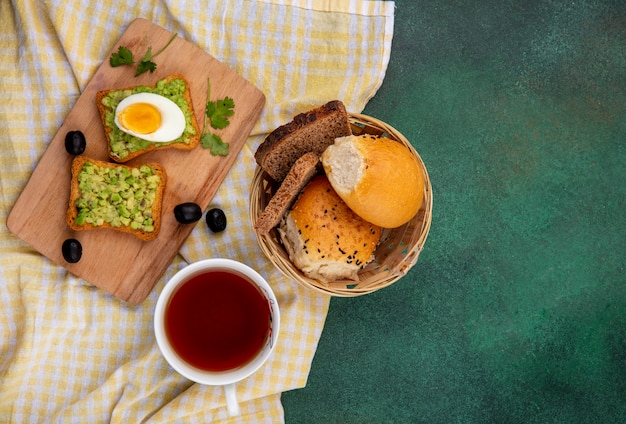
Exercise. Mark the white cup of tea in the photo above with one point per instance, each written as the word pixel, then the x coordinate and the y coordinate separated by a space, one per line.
pixel 216 322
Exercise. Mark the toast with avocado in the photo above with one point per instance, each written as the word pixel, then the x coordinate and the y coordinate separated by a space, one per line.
pixel 123 146
pixel 116 196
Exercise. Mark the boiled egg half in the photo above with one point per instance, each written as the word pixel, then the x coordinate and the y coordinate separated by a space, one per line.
pixel 150 117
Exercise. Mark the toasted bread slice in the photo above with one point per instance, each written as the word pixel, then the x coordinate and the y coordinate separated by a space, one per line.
pixel 123 147
pixel 299 175
pixel 116 196
pixel 311 131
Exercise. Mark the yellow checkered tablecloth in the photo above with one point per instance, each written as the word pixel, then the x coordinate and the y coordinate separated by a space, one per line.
pixel 70 352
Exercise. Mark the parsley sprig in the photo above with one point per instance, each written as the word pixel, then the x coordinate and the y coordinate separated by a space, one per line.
pixel 124 56
pixel 217 112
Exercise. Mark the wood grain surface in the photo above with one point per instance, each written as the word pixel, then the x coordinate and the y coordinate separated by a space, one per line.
pixel 120 263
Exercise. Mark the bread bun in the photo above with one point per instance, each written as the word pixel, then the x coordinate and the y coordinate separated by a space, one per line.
pixel 325 239
pixel 378 178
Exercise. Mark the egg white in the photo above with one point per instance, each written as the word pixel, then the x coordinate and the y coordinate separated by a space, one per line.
pixel 172 117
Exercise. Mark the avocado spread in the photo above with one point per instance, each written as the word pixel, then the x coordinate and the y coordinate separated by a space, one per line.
pixel 122 144
pixel 117 195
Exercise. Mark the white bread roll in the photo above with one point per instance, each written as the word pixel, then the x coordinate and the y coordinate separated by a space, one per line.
pixel 324 238
pixel 378 178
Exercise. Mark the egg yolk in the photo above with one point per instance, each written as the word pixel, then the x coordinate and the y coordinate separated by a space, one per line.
pixel 142 118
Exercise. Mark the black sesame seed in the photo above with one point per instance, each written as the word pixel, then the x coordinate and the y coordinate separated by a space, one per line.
pixel 342 251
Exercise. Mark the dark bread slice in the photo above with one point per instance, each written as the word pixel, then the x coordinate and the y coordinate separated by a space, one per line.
pixel 299 175
pixel 311 131
pixel 189 140
pixel 76 192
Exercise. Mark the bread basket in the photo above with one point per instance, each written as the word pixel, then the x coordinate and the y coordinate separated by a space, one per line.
pixel 397 251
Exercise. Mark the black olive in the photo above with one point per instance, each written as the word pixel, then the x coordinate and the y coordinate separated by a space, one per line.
pixel 72 250
pixel 188 212
pixel 75 142
pixel 216 220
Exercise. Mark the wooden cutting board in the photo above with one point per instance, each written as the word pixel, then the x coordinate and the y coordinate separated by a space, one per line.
pixel 116 262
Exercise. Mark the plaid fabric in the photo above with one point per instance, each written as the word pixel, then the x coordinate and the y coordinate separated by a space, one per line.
pixel 70 352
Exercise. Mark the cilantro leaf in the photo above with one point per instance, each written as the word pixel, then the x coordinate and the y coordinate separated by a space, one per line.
pixel 145 64
pixel 217 114
pixel 123 56
pixel 215 143
pixel 146 57
pixel 219 111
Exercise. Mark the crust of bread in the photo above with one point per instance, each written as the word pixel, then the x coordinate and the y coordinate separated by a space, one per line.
pixel 194 140
pixel 299 175
pixel 310 131
pixel 377 177
pixel 75 193
pixel 324 238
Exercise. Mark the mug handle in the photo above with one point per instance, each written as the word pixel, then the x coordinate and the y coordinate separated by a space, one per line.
pixel 231 399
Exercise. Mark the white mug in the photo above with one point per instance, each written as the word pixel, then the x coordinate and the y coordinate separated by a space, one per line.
pixel 229 377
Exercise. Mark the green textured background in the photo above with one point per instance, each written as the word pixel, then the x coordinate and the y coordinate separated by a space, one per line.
pixel 516 309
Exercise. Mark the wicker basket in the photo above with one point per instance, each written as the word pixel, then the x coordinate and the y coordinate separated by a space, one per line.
pixel 397 251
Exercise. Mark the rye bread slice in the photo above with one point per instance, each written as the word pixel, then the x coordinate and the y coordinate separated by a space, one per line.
pixel 299 175
pixel 310 131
